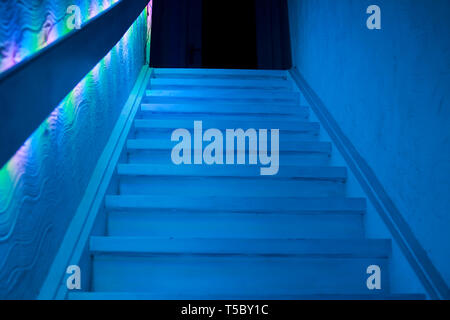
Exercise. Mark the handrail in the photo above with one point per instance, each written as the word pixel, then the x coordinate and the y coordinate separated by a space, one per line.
pixel 31 90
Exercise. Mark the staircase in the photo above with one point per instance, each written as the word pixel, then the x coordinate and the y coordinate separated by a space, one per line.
pixel 225 231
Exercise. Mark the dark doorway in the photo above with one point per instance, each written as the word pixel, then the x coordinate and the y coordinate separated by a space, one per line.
pixel 176 34
pixel 229 34
pixel 243 34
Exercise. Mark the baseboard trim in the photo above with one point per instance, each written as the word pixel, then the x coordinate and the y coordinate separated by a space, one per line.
pixel 80 228
pixel 401 232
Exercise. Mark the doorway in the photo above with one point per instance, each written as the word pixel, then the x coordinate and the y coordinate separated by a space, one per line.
pixel 236 34
pixel 229 34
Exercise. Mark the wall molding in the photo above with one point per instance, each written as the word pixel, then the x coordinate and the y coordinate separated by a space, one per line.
pixel 415 254
pixel 80 228
pixel 32 89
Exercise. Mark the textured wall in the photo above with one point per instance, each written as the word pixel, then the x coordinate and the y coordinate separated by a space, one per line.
pixel 27 26
pixel 41 186
pixel 389 90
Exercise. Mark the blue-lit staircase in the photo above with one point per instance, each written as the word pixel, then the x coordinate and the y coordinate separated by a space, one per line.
pixel 225 232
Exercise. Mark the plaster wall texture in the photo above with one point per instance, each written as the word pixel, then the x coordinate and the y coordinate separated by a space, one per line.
pixel 389 90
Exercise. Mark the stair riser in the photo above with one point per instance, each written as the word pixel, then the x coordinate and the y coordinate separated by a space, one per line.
pixel 229 187
pixel 237 204
pixel 287 140
pixel 216 122
pixel 235 274
pixel 181 77
pixel 280 86
pixel 234 225
pixel 219 84
pixel 223 94
pixel 285 136
pixel 284 145
pixel 232 110
pixel 223 75
pixel 242 74
pixel 223 99
pixel 286 159
pixel 242 120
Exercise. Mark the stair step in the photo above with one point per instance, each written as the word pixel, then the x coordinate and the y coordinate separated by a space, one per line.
pixel 236 297
pixel 293 151
pixel 338 174
pixel 207 84
pixel 282 125
pixel 222 96
pixel 258 186
pixel 222 117
pixel 310 248
pixel 163 157
pixel 219 74
pixel 234 109
pixel 237 266
pixel 231 180
pixel 238 204
pixel 285 146
pixel 160 223
pixel 289 130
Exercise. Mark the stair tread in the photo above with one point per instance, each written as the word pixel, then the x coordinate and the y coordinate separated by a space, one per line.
pixel 216 224
pixel 220 117
pixel 292 172
pixel 263 297
pixel 219 73
pixel 226 94
pixel 312 248
pixel 235 109
pixel 292 146
pixel 206 84
pixel 284 82
pixel 238 204
pixel 159 71
pixel 222 96
pixel 283 125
